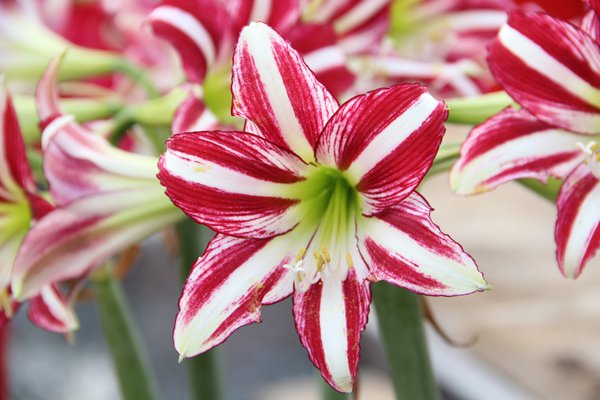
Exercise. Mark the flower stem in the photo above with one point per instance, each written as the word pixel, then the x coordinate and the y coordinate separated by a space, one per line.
pixel 203 370
pixel 328 393
pixel 548 191
pixel 138 76
pixel 475 110
pixel 400 318
pixel 136 379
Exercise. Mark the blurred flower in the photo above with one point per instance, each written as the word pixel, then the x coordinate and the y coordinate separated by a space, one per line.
pixel 107 200
pixel 20 206
pixel 204 32
pixel 312 199
pixel 27 45
pixel 551 68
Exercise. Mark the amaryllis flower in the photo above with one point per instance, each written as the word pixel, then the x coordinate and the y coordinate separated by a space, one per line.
pixel 550 67
pixel 107 200
pixel 312 199
pixel 20 206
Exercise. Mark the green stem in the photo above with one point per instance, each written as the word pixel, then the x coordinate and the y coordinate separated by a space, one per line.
pixel 328 393
pixel 203 370
pixel 400 317
pixel 548 191
pixel 136 379
pixel 475 110
pixel 138 76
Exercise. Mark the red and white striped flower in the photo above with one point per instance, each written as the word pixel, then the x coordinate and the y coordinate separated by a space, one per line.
pixel 107 200
pixel 313 199
pixel 20 206
pixel 552 69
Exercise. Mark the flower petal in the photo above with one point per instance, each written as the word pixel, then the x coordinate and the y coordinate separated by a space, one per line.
pixel 227 287
pixel 386 140
pixel 330 317
pixel 318 45
pixel 15 175
pixel 403 246
pixel 511 145
pixel 551 68
pixel 577 231
pixel 199 30
pixel 278 14
pixel 52 312
pixel 234 182
pixel 590 23
pixel 193 115
pixel 78 237
pixel 78 163
pixel 273 87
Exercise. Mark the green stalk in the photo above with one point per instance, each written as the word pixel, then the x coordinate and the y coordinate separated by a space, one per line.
pixel 203 370
pixel 400 317
pixel 328 393
pixel 136 378
pixel 138 76
pixel 475 110
pixel 548 191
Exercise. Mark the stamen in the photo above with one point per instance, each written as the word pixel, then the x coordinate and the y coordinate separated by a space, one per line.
pixel 591 153
pixel 349 260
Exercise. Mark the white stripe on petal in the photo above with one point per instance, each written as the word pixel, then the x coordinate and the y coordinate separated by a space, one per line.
pixel 189 25
pixel 535 57
pixel 197 170
pixel 393 135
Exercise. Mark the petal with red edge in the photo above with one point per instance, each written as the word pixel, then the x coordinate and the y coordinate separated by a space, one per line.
pixel 512 145
pixel 78 163
pixel 386 140
pixel 551 68
pixel 227 287
pixel 577 231
pixel 278 14
pixel 193 115
pixel 52 312
pixel 330 317
pixel 199 30
pixel 404 247
pixel 273 87
pixel 590 23
pixel 15 175
pixel 236 183
pixel 70 241
pixel 318 45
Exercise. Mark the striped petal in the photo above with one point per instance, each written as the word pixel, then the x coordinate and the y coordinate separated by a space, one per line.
pixel 274 89
pixel 234 182
pixel 513 145
pixel 70 241
pixel 577 232
pixel 15 175
pixel 403 246
pixel 78 163
pixel 590 23
pixel 551 68
pixel 278 14
pixel 193 115
pixel 329 319
pixel 200 31
pixel 386 140
pixel 318 45
pixel 227 287
pixel 52 312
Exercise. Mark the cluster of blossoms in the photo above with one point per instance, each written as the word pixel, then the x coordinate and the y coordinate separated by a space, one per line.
pixel 280 138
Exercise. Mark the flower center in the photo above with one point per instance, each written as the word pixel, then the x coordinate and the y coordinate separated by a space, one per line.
pixel 591 153
pixel 330 205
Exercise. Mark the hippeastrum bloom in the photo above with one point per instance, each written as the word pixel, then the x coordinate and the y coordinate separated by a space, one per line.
pixel 551 68
pixel 20 206
pixel 107 200
pixel 313 199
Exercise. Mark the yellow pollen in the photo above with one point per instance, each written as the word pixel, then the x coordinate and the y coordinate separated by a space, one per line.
pixel 203 168
pixel 349 260
pixel 300 254
pixel 320 261
pixel 326 253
